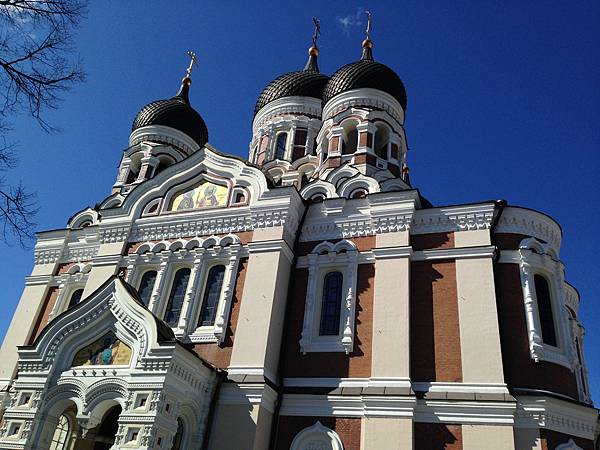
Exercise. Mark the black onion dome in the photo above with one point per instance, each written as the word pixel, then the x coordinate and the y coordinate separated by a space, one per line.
pixel 303 83
pixel 176 113
pixel 365 73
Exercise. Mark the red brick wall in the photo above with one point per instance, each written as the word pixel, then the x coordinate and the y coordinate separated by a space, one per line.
pixel 551 439
pixel 437 436
pixel 44 314
pixel 347 429
pixel 331 364
pixel 221 355
pixel 432 240
pixel 520 371
pixel 434 330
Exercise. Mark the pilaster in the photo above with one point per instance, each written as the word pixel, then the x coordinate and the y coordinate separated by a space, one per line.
pixel 481 354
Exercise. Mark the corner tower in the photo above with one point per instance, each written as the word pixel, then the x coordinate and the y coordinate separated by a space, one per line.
pixel 364 104
pixel 287 119
pixel 163 133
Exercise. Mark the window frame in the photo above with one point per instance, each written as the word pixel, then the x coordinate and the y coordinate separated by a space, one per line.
pixel 535 258
pixel 326 258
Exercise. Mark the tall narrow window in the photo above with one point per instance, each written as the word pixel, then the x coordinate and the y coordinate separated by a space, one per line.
pixel 350 143
pixel 280 147
pixel 75 298
pixel 178 438
pixel 331 304
pixel 544 301
pixel 146 286
pixel 61 434
pixel 212 292
pixel 180 282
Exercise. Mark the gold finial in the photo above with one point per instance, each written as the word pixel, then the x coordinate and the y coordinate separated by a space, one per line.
pixel 193 62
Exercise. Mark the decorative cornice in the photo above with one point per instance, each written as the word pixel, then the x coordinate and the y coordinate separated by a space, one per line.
pixel 303 106
pixel 373 98
pixel 557 415
pixel 530 223
pixel 453 218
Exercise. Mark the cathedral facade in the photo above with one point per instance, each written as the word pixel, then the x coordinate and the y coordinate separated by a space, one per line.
pixel 306 298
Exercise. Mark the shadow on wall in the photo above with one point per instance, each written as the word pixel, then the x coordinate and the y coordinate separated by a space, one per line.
pixel 438 436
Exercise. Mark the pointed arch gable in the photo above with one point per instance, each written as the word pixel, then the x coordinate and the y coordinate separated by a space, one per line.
pixel 113 308
pixel 206 163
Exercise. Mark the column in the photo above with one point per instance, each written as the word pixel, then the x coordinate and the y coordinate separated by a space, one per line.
pixel 391 313
pixel 23 322
pixel 192 294
pixel 159 283
pixel 481 355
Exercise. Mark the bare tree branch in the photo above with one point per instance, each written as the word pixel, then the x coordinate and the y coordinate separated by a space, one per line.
pixel 37 67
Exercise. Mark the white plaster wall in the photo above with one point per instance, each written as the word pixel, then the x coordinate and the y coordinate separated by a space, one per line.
pixel 489 437
pixel 103 270
pixel 378 433
pixel 478 321
pixel 258 332
pixel 22 323
pixel 391 333
pixel 527 439
pixel 234 427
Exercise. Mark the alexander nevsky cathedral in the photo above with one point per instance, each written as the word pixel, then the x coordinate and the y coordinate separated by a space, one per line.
pixel 307 298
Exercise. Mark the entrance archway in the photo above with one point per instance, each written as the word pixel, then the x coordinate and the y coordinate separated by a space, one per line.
pixel 106 430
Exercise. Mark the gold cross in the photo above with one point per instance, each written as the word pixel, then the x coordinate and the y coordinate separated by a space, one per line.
pixel 317 31
pixel 193 62
pixel 369 24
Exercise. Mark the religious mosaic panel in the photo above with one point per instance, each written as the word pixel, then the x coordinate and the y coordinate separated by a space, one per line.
pixel 201 196
pixel 106 351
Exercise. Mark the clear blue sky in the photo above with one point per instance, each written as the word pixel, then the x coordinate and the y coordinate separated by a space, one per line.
pixel 503 102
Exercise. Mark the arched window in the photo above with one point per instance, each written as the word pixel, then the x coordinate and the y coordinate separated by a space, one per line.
pixel 331 304
pixel 75 298
pixel 176 296
pixel 382 138
pixel 61 434
pixel 280 146
pixel 178 438
pixel 544 301
pixel 212 292
pixel 350 142
pixel 146 286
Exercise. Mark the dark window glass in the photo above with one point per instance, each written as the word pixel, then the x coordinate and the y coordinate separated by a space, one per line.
pixel 214 283
pixel 180 282
pixel 350 143
pixel 544 301
pixel 280 147
pixel 331 304
pixel 178 439
pixel 75 298
pixel 146 286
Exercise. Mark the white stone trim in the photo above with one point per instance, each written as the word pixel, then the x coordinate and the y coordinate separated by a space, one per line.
pixel 556 415
pixel 369 97
pixel 165 135
pixel 317 436
pixel 325 258
pixel 244 393
pixel 531 263
pixel 287 106
pixel 530 223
